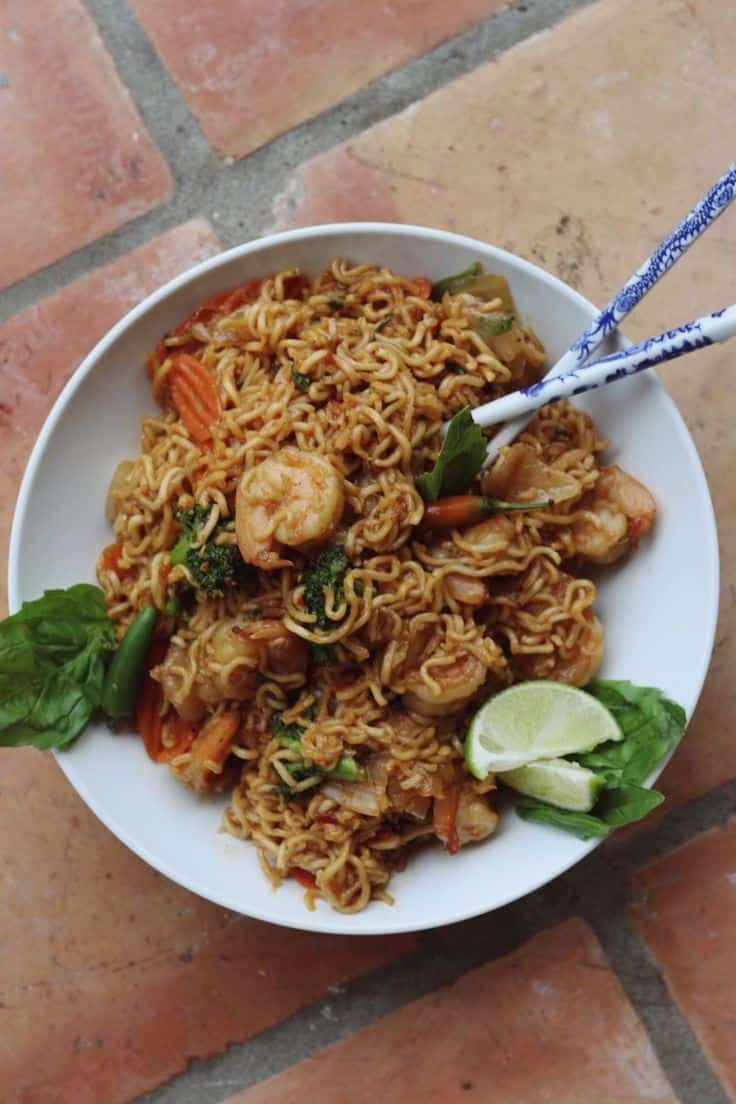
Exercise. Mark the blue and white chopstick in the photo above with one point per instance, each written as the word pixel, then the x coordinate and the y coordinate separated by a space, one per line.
pixel 703 215
pixel 712 328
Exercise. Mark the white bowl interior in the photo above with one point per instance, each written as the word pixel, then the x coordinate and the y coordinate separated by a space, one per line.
pixel 658 609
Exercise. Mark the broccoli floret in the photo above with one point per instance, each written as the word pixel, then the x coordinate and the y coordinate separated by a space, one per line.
pixel 290 736
pixel 326 573
pixel 212 567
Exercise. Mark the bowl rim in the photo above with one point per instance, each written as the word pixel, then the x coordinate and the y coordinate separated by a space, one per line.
pixel 321 920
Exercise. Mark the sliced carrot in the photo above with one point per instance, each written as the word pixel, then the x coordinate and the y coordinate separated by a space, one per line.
pixel 111 559
pixel 195 397
pixel 149 721
pixel 423 287
pixel 303 877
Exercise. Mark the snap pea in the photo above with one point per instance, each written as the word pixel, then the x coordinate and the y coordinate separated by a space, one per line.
pixel 125 673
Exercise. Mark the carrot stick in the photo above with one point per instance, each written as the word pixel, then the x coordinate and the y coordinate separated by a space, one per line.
pixel 149 721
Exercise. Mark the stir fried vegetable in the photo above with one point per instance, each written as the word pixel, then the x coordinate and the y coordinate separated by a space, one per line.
pixel 195 396
pixel 458 510
pixel 125 673
pixel 289 736
pixel 324 580
pixel 212 567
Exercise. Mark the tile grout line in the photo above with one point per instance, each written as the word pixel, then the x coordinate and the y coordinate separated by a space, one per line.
pixel 237 196
pixel 441 959
pixel 680 1054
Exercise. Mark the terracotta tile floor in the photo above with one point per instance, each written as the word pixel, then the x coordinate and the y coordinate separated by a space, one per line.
pixel 235 61
pixel 685 906
pixel 77 160
pixel 547 1023
pixel 578 148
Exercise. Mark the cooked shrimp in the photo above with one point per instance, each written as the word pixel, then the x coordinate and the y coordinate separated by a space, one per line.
pixel 461 815
pixel 519 474
pixel 475 818
pixel 293 498
pixel 556 635
pixel 203 768
pixel 228 668
pixel 454 683
pixel 177 677
pixel 614 516
pixel 465 588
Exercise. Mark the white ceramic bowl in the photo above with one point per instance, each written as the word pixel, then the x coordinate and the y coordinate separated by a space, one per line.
pixel 659 609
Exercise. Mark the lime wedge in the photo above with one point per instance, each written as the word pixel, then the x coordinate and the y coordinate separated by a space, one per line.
pixel 566 785
pixel 535 720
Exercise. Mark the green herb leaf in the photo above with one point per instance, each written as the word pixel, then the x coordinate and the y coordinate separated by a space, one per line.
pixel 335 304
pixel 452 283
pixel 462 456
pixel 53 654
pixel 584 825
pixel 301 381
pixel 651 725
pixel 491 325
pixel 626 804
pixel 454 367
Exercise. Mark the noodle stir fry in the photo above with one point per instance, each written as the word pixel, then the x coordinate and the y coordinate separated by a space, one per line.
pixel 324 633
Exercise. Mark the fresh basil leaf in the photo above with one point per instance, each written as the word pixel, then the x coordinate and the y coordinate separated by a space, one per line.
pixel 651 725
pixel 53 654
pixel 625 804
pixel 461 457
pixel 584 825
